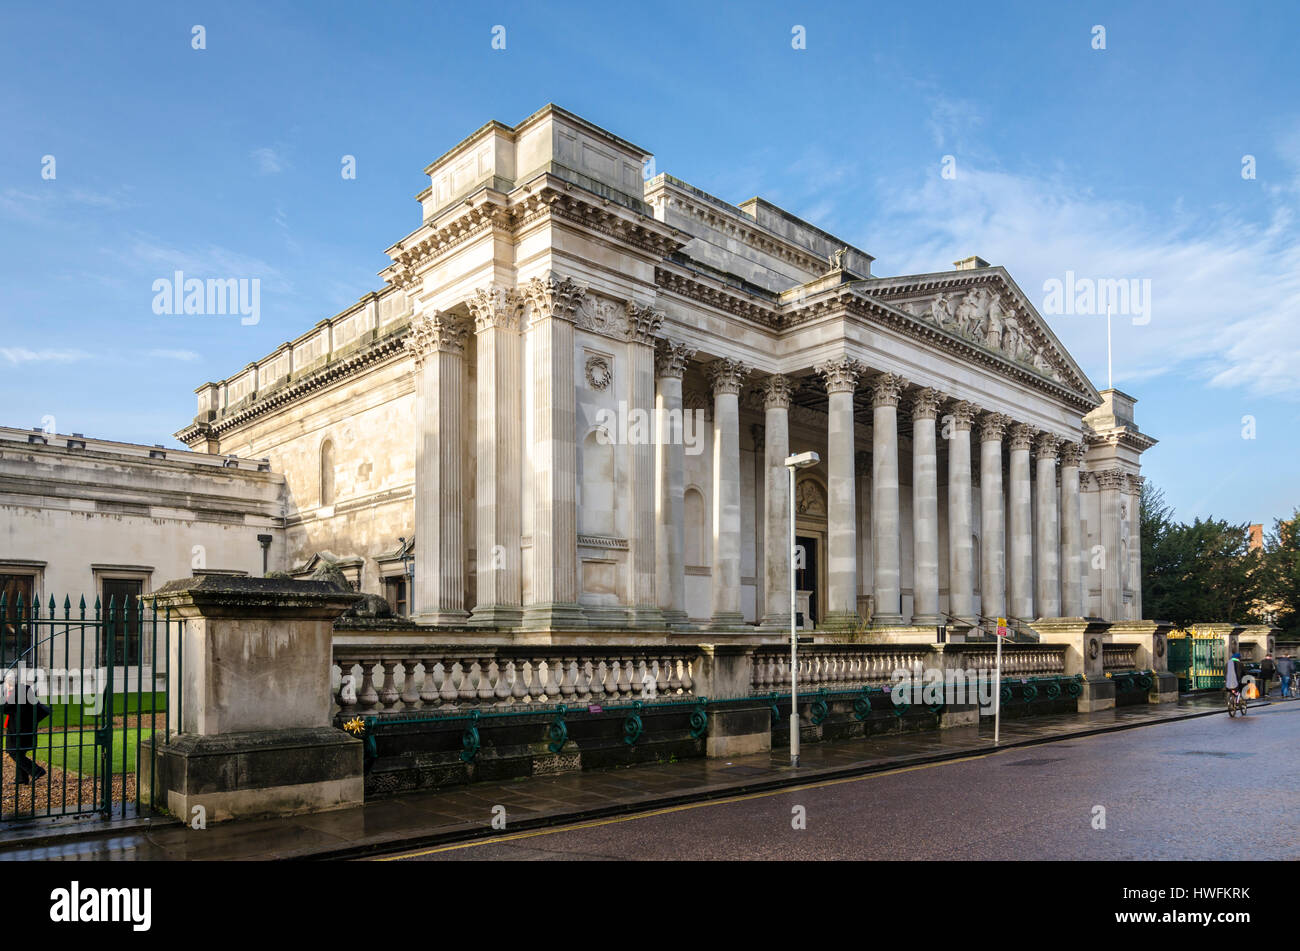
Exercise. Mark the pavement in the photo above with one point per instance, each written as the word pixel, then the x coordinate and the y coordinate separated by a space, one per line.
pixel 465 813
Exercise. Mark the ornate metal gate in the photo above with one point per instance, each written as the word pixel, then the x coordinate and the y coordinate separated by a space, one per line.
pixel 1198 660
pixel 81 698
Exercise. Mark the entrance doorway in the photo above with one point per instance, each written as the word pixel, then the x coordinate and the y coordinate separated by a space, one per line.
pixel 805 578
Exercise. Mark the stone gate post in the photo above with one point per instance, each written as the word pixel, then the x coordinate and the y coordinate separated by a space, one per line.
pixel 249 703
pixel 1084 637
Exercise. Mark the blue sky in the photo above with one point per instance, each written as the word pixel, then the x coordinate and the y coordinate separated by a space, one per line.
pixel 1121 163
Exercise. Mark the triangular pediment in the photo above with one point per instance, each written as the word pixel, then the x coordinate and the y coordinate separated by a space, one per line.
pixel 986 308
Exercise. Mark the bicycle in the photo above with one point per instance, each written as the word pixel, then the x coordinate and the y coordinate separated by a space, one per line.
pixel 1236 702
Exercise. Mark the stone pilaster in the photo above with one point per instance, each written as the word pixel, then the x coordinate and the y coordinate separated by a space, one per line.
pixel 1047 597
pixel 961 552
pixel 642 325
pixel 776 391
pixel 1020 560
pixel 1135 545
pixel 841 377
pixel 885 392
pixel 1072 601
pixel 437 342
pixel 993 580
pixel 498 324
pixel 726 377
pixel 552 303
pixel 1111 482
pixel 925 507
pixel 671 360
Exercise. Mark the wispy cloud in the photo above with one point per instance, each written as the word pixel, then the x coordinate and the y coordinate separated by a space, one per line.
pixel 186 356
pixel 269 161
pixel 1225 291
pixel 17 355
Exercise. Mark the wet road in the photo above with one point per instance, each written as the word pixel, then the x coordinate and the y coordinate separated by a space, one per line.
pixel 1207 788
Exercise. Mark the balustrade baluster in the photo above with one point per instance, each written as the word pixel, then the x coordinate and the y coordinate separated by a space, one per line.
pixel 409 694
pixel 388 695
pixel 429 686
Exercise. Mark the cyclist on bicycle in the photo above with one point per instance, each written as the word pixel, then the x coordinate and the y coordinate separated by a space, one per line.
pixel 1234 676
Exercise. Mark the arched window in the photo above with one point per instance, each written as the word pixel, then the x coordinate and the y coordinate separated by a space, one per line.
pixel 327 472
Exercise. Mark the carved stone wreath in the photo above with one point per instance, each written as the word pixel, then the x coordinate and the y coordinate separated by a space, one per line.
pixel 599 375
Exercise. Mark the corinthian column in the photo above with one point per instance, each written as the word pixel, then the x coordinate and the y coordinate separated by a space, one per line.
pixel 670 455
pixel 552 303
pixel 885 392
pixel 437 342
pixel 1071 532
pixel 642 325
pixel 925 507
pixel 726 377
pixel 961 552
pixel 993 532
pixel 841 376
pixel 1020 563
pixel 1047 598
pixel 498 318
pixel 776 391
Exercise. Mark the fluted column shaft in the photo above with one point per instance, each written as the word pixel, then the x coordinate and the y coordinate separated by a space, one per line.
pixel 961 552
pixel 886 390
pixel 1020 561
pixel 993 578
pixel 925 508
pixel 776 493
pixel 670 452
pixel 1135 545
pixel 498 314
pixel 726 377
pixel 841 377
pixel 642 324
pixel 1071 533
pixel 437 342
pixel 552 303
pixel 1047 599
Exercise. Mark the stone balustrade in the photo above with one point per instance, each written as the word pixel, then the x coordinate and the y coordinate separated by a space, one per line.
pixel 1018 660
pixel 1119 657
pixel 405 678
pixel 834 666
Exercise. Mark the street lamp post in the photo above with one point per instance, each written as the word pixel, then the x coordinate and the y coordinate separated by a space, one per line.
pixel 801 461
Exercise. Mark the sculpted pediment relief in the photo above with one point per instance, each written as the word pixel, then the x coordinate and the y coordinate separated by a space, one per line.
pixel 993 315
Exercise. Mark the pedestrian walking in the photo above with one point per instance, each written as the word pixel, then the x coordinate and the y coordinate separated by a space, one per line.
pixel 1285 670
pixel 1266 671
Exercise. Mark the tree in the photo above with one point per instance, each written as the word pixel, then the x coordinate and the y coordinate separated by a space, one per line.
pixel 1204 571
pixel 1280 575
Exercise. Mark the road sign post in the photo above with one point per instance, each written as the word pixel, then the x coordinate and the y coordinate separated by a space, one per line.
pixel 997 682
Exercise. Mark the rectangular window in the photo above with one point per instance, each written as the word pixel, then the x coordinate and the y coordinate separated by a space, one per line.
pixel 122 620
pixel 15 628
pixel 395 592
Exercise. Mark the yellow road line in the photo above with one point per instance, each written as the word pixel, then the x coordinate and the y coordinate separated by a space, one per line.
pixel 496 840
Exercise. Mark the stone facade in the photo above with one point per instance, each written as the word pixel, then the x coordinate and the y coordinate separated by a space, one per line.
pixel 577 387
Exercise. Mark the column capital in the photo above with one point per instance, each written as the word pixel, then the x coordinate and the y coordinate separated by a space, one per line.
pixel 1046 446
pixel 1109 478
pixel 925 403
pixel 671 358
pixel 643 322
pixel 726 375
pixel 496 306
pixel 963 413
pixel 886 389
pixel 1135 482
pixel 436 332
pixel 1022 435
pixel 841 375
pixel 552 296
pixel 1072 454
pixel 993 426
pixel 776 391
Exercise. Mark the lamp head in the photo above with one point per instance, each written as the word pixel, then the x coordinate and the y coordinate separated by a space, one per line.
pixel 802 461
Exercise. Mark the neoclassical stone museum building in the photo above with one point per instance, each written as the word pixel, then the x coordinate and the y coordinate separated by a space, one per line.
pixel 568 408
